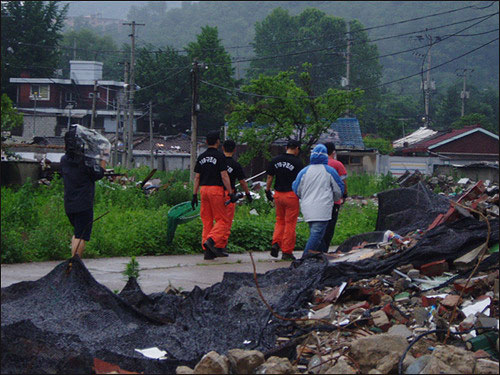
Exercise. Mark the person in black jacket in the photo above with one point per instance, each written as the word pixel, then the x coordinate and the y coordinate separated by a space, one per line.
pixel 79 175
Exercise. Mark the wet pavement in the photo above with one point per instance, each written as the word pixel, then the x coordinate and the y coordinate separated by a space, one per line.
pixel 183 272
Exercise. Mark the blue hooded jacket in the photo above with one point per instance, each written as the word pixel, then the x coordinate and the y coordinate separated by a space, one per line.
pixel 318 185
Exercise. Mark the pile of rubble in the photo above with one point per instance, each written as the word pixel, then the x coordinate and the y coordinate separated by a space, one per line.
pixel 418 295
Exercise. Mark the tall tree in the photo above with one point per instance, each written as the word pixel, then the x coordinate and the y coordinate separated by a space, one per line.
pixel 86 44
pixel 315 37
pixel 281 108
pixel 164 78
pixel 31 32
pixel 214 101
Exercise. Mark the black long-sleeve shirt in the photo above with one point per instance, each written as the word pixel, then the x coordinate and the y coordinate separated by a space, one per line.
pixel 79 184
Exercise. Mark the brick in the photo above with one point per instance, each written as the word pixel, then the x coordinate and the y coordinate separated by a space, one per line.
pixel 450 300
pixel 390 311
pixel 434 268
pixel 362 305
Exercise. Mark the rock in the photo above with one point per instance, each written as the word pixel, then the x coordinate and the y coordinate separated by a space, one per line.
pixel 409 359
pixel 418 365
pixel 184 370
pixel 420 314
pixel 244 361
pixel 367 351
pixel 212 363
pixel 450 300
pixel 414 274
pixel 450 360
pixel 486 366
pixel 316 364
pixel 380 320
pixel 399 330
pixel 276 365
pixel 389 363
pixel 341 367
pixel 385 299
pixel 374 371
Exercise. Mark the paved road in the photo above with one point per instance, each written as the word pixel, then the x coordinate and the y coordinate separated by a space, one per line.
pixel 156 272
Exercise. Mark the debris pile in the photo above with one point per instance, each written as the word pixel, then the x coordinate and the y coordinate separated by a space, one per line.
pixel 418 295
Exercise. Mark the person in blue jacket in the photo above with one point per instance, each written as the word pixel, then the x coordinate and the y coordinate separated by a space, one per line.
pixel 318 186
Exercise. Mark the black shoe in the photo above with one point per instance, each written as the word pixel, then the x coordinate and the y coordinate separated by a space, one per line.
pixel 286 256
pixel 209 255
pixel 275 249
pixel 210 245
pixel 223 251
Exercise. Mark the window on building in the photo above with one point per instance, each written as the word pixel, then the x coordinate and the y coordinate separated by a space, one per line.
pixel 91 95
pixel 69 97
pixel 355 160
pixel 41 92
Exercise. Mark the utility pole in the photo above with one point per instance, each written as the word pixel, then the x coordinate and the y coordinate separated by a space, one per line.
pixel 115 159
pixel 195 108
pixel 427 87
pixel 94 98
pixel 464 94
pixel 125 115
pixel 132 89
pixel 348 62
pixel 151 131
pixel 74 49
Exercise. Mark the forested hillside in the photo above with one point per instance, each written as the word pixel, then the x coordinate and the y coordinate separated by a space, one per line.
pixel 236 24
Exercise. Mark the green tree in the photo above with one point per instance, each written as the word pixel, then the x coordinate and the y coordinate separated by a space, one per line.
pixel 472 119
pixel 86 44
pixel 325 37
pixel 281 108
pixel 214 101
pixel 164 79
pixel 10 117
pixel 30 37
pixel 384 146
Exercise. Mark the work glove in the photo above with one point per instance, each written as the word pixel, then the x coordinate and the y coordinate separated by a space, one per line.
pixel 345 195
pixel 194 201
pixel 249 198
pixel 233 197
pixel 269 195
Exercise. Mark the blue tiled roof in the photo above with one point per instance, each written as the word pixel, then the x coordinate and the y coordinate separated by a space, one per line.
pixel 345 133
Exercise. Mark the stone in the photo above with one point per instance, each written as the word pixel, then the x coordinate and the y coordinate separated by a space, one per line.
pixel 341 367
pixel 244 361
pixel 184 370
pixel 481 354
pixel 400 330
pixel 317 364
pixel 385 299
pixel 367 351
pixel 389 363
pixel 418 365
pixel 374 371
pixel 450 300
pixel 380 320
pixel 414 274
pixel 450 359
pixel 212 363
pixel 486 366
pixel 276 365
pixel 420 314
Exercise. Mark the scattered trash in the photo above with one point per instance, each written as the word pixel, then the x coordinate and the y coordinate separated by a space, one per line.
pixel 154 353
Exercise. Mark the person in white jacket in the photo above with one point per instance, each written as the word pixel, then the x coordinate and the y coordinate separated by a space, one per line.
pixel 318 186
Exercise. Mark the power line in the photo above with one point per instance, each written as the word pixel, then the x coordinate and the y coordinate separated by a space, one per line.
pixel 365 88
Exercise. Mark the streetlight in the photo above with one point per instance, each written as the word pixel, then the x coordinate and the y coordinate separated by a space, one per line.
pixel 69 107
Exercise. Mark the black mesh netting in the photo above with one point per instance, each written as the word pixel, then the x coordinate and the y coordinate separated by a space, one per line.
pixel 60 322
pixel 406 209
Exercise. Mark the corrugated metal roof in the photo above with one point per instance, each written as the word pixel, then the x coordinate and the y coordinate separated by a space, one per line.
pixel 418 135
pixel 345 133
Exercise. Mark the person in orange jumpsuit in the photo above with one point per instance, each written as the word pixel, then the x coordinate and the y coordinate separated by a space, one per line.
pixel 284 168
pixel 235 172
pixel 211 174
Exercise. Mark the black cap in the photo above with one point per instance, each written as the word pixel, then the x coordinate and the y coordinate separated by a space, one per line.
pixel 293 143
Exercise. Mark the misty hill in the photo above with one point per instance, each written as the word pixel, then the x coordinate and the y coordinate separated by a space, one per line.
pixel 166 25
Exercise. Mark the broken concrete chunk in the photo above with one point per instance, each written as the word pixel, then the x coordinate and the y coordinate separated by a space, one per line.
pixel 341 367
pixel 389 363
pixel 418 365
pixel 380 320
pixel 184 370
pixel 400 330
pixel 367 351
pixel 450 360
pixel 276 365
pixel 244 361
pixel 486 366
pixel 212 363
